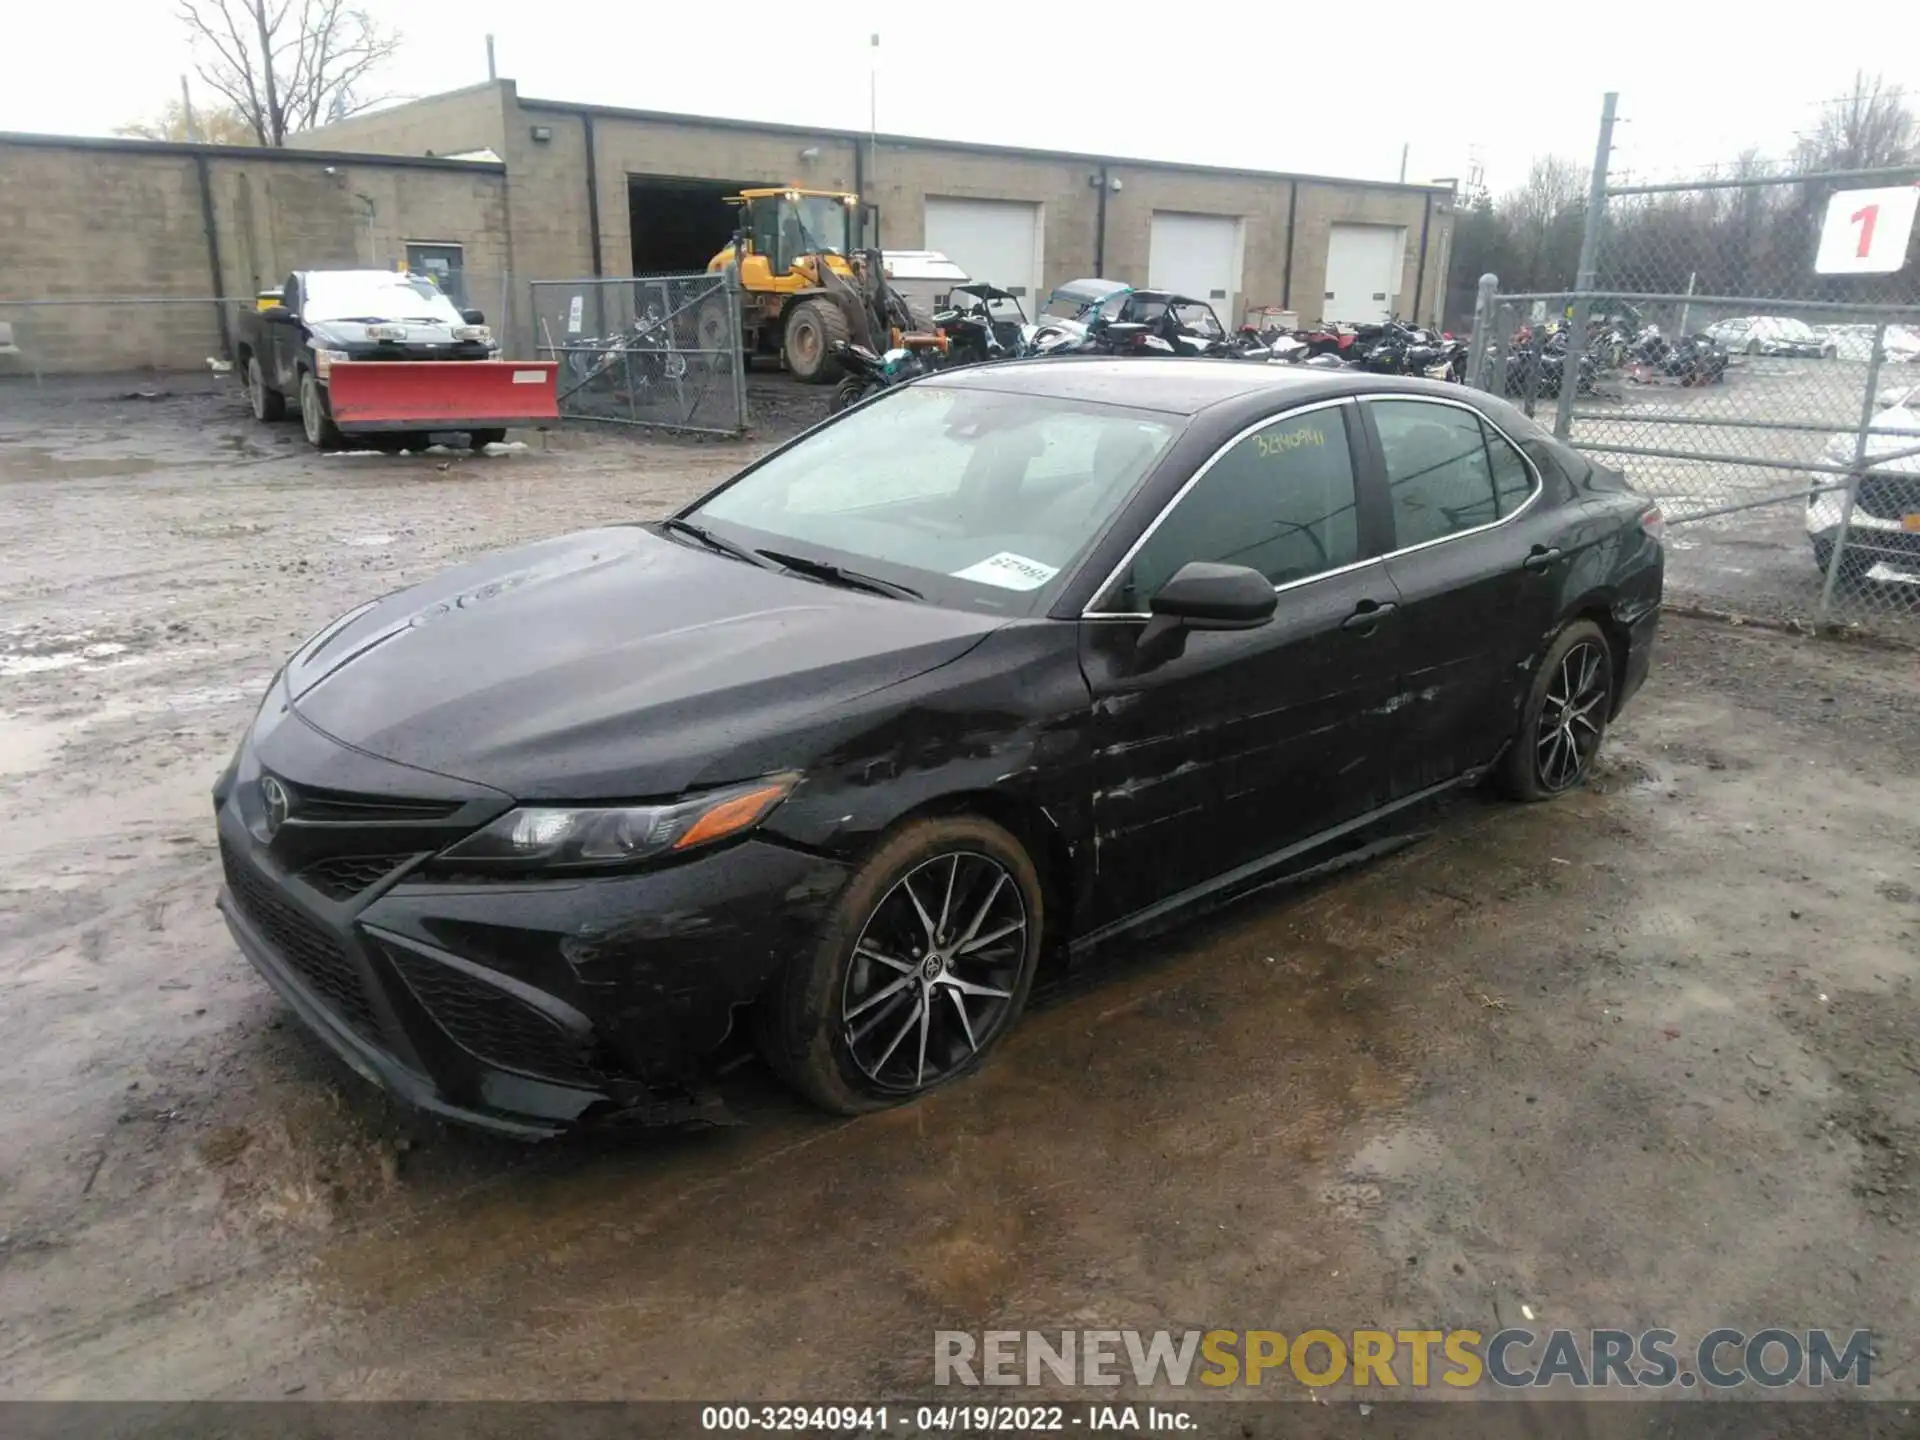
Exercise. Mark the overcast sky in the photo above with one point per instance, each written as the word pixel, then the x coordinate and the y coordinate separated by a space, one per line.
pixel 1333 88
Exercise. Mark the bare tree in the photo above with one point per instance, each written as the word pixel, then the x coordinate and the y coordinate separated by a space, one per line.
pixel 287 65
pixel 1869 127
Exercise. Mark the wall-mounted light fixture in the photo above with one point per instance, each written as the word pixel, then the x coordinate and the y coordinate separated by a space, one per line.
pixel 810 154
pixel 541 134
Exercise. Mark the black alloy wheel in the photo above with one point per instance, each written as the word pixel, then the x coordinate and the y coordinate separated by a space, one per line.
pixel 934 972
pixel 1565 718
pixel 922 967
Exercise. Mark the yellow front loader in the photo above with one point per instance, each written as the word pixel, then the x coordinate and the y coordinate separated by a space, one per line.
pixel 784 239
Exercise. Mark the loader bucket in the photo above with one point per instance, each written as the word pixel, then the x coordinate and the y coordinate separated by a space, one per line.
pixel 368 396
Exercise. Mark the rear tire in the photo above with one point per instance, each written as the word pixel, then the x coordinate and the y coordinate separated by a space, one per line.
pixel 813 328
pixel 480 439
pixel 1852 566
pixel 1564 720
pixel 714 326
pixel 923 965
pixel 266 403
pixel 322 433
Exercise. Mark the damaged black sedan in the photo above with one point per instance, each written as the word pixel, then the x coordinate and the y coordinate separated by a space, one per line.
pixel 1006 662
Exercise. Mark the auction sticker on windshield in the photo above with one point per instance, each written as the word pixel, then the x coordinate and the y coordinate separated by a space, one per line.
pixel 1009 571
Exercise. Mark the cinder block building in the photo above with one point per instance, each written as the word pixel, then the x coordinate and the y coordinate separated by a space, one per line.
pixel 491 191
pixel 597 191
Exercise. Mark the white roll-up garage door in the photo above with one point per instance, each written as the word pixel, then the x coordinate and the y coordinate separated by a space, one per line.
pixel 1199 256
pixel 994 241
pixel 1363 273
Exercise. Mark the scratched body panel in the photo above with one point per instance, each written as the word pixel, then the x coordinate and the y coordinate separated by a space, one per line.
pixel 1269 734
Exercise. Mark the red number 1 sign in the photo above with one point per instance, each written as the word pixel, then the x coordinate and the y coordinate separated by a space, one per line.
pixel 1866 232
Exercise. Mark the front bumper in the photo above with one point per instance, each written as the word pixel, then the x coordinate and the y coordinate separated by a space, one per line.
pixel 523 1007
pixel 1872 539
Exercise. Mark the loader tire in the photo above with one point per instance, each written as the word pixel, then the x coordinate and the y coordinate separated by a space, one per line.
pixel 813 328
pixel 715 327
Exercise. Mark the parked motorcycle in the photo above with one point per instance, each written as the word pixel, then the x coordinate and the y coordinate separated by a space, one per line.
pixel 868 374
pixel 1397 348
pixel 1692 359
pixel 647 343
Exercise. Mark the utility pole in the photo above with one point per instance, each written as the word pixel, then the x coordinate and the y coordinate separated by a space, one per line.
pixel 873 135
pixel 493 72
pixel 1405 145
pixel 186 109
pixel 1586 278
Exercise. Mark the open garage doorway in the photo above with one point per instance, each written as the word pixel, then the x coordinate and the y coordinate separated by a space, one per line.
pixel 679 225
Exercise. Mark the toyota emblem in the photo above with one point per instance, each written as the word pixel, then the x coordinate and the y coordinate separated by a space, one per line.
pixel 274 797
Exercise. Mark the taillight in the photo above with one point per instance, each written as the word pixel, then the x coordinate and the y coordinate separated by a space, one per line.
pixel 1653 524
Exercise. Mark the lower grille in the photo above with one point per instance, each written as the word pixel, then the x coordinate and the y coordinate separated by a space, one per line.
pixel 341 877
pixel 491 1024
pixel 314 954
pixel 1888 497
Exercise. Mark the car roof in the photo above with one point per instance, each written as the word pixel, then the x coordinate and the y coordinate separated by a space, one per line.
pixel 1075 289
pixel 1178 386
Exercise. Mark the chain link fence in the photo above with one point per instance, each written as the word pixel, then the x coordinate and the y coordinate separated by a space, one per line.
pixel 660 350
pixel 1770 405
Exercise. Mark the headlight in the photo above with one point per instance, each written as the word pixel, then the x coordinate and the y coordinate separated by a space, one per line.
pixel 323 360
pixel 473 333
pixel 540 837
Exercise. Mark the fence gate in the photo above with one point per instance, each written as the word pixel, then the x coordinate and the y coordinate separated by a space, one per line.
pixel 1725 344
pixel 655 350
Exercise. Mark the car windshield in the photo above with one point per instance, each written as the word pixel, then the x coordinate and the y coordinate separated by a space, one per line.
pixel 374 295
pixel 975 498
pixel 1199 319
pixel 1070 305
pixel 822 221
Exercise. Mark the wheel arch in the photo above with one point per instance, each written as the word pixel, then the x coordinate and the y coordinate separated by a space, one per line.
pixel 1600 609
pixel 1027 821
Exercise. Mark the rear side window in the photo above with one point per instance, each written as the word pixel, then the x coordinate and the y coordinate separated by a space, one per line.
pixel 1512 480
pixel 1280 501
pixel 1447 471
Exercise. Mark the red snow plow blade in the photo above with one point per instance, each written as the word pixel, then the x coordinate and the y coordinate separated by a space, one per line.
pixel 368 396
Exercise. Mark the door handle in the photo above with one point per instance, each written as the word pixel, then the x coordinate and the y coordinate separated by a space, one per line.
pixel 1541 557
pixel 1368 614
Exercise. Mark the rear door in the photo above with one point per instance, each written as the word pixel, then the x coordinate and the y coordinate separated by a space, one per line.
pixel 1246 741
pixel 1475 561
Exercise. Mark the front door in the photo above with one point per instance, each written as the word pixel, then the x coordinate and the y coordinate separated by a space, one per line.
pixel 1246 741
pixel 1479 581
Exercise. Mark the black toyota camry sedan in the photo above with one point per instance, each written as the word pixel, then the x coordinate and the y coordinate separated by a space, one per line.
pixel 1006 661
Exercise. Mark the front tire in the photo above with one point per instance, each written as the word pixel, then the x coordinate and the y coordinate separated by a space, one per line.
pixel 813 328
pixel 322 433
pixel 1852 566
pixel 923 966
pixel 1564 720
pixel 848 393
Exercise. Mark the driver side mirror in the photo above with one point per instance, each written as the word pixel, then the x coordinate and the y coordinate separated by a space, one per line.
pixel 277 315
pixel 474 317
pixel 1204 596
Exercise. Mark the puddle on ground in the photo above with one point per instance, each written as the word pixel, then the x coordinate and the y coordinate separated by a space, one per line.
pixel 27 746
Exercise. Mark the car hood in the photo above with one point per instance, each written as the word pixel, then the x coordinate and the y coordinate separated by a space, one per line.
pixel 612 663
pixel 352 334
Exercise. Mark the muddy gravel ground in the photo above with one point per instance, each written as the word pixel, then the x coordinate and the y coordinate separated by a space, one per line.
pixel 1643 1057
